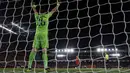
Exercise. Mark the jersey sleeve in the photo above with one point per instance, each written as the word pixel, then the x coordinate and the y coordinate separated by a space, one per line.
pixel 36 15
pixel 49 14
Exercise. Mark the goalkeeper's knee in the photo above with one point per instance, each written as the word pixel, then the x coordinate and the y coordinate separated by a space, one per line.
pixel 44 50
pixel 34 50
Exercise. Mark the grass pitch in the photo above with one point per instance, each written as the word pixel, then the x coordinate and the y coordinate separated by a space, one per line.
pixel 65 70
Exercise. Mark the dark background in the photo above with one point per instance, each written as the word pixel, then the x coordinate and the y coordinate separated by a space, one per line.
pixel 80 24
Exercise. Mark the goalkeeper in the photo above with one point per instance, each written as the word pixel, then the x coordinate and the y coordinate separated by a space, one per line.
pixel 106 58
pixel 41 35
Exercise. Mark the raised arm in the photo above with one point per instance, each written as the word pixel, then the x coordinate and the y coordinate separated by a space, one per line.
pixel 34 7
pixel 55 9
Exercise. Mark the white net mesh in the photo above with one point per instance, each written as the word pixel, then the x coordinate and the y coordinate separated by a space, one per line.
pixel 88 29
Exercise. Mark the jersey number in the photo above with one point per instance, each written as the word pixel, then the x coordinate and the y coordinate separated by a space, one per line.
pixel 41 21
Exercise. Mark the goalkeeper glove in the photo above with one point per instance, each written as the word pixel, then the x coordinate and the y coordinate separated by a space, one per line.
pixel 58 4
pixel 33 5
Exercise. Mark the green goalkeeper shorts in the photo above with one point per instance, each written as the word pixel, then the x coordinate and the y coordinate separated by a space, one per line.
pixel 40 41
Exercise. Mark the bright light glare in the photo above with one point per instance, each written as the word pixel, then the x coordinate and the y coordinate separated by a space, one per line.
pixel 59 50
pixel 18 26
pixel 71 50
pixel 112 49
pixel 106 49
pixel 7 29
pixel 60 55
pixel 117 55
pixel 68 50
pixel 102 50
pixel 65 50
pixel 62 50
pixel 116 49
pixel 55 50
pixel 98 50
pixel 109 49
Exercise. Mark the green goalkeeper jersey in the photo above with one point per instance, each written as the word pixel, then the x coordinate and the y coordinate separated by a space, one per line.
pixel 41 35
pixel 106 56
pixel 42 21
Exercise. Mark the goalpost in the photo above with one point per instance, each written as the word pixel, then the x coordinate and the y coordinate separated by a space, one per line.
pixel 84 36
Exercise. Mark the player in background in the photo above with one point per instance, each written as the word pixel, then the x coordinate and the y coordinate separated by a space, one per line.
pixel 41 35
pixel 77 62
pixel 106 58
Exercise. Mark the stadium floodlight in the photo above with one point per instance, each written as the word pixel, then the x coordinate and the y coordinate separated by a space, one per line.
pixel 98 50
pixel 68 50
pixel 116 55
pixel 62 50
pixel 65 50
pixel 106 49
pixel 112 49
pixel 59 50
pixel 60 55
pixel 109 49
pixel 7 29
pixel 102 50
pixel 116 49
pixel 56 51
pixel 71 50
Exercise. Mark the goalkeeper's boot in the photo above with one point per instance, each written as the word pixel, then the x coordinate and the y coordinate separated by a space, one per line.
pixel 47 69
pixel 29 69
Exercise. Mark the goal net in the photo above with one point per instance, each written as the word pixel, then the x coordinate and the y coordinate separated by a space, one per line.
pixel 89 36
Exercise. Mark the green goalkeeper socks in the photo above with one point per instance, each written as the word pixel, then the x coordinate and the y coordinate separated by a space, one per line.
pixel 45 59
pixel 31 58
